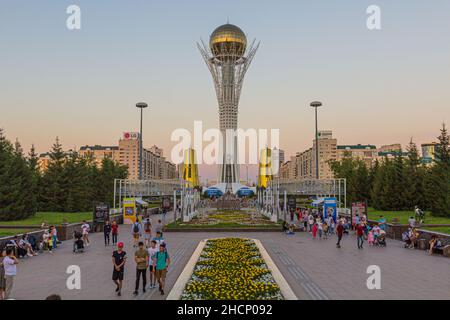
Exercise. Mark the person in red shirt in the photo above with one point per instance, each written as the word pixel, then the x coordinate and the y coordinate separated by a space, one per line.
pixel 339 232
pixel 360 234
pixel 114 231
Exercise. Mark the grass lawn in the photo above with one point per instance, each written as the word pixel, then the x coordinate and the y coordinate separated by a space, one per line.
pixel 50 218
pixel 403 216
pixel 13 232
pixel 439 229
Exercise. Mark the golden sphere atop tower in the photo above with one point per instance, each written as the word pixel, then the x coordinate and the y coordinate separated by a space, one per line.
pixel 228 40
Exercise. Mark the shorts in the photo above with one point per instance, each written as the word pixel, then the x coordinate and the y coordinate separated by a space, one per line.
pixel 150 267
pixel 117 275
pixel 136 235
pixel 160 274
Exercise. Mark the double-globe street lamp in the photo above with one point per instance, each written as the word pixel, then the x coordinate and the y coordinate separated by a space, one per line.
pixel 315 105
pixel 142 106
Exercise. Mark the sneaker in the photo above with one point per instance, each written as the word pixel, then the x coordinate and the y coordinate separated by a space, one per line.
pixel 119 293
pixel 143 290
pixel 135 293
pixel 162 292
pixel 29 254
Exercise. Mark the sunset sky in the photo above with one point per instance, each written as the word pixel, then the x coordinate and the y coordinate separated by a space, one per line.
pixel 377 87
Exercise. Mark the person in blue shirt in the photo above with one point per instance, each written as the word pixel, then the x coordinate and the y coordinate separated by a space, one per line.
pixel 382 223
pixel 161 262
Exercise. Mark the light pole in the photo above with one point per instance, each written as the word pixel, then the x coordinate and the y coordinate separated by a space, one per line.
pixel 315 105
pixel 142 106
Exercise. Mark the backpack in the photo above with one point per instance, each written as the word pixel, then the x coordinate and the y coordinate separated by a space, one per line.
pixel 136 228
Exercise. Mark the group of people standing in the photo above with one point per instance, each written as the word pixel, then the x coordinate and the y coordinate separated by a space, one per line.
pixel 321 227
pixel 151 254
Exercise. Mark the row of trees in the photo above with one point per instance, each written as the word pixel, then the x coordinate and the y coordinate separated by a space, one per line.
pixel 70 183
pixel 402 182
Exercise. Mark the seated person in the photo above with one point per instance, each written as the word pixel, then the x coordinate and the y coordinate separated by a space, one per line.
pixel 47 243
pixel 434 243
pixel 25 244
pixel 78 244
pixel 19 249
pixel 290 229
pixel 413 237
pixel 285 226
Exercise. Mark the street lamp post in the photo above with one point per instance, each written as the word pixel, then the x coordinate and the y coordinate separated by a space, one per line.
pixel 142 106
pixel 315 105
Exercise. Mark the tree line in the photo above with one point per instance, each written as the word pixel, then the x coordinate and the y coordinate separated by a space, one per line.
pixel 402 182
pixel 70 183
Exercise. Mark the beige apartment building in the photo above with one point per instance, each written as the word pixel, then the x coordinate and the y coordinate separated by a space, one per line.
pixel 368 153
pixel 327 152
pixel 154 165
pixel 303 165
pixel 98 153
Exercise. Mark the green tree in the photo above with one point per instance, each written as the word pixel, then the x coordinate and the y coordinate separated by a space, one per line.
pixel 53 185
pixel 439 183
pixel 16 182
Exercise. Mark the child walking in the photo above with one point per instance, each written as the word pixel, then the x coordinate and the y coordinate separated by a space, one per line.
pixel 314 230
pixel 370 238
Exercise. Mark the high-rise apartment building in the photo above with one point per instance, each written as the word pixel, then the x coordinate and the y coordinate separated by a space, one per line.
pixel 327 152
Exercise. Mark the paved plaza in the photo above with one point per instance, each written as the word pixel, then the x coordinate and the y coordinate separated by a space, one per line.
pixel 315 269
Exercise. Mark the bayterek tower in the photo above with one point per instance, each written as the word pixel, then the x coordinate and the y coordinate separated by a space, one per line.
pixel 228 58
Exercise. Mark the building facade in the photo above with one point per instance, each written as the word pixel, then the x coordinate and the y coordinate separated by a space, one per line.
pixel 367 153
pixel 327 153
pixel 154 165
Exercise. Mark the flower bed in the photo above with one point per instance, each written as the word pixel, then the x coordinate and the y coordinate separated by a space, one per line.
pixel 232 269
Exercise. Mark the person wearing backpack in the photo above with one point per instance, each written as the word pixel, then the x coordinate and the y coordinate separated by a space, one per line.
pixel 136 232
pixel 147 232
pixel 161 261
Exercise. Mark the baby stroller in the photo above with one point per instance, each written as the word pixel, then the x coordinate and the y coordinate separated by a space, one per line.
pixel 78 245
pixel 381 240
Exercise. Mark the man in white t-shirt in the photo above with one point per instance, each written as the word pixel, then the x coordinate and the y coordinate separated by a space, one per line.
pixel 152 250
pixel 9 264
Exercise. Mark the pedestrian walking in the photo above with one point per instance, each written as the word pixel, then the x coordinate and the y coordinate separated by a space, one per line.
pixel 159 226
pixel 159 239
pixel 54 236
pixel 10 265
pixel 152 250
pixel 320 228
pixel 360 235
pixel 147 232
pixel 141 258
pixel 114 231
pixel 161 262
pixel 85 228
pixel 339 232
pixel 119 257
pixel 314 230
pixel 136 231
pixel 107 232
pixel 2 274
